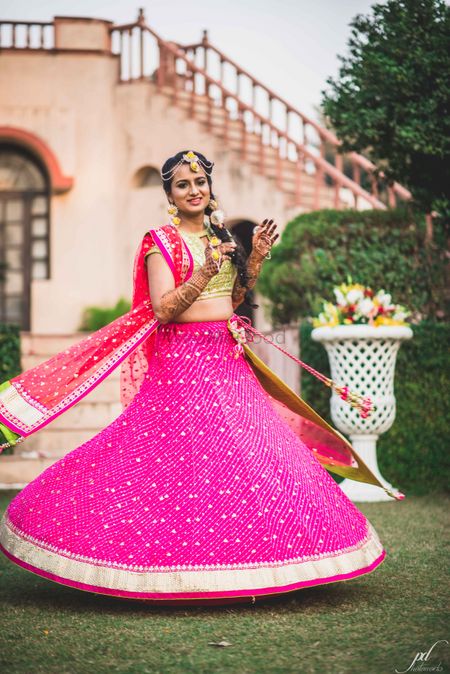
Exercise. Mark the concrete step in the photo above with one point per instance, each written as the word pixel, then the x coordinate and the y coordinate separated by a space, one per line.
pixel 56 443
pixel 31 360
pixel 48 345
pixel 16 472
pixel 87 415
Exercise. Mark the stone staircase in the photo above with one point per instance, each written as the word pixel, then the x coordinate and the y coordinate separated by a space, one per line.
pixel 80 423
pixel 298 186
pixel 303 158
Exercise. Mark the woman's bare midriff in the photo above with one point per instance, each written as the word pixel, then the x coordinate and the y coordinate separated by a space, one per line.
pixel 215 309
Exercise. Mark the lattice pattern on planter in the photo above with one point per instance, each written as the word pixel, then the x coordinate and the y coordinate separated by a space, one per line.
pixel 367 367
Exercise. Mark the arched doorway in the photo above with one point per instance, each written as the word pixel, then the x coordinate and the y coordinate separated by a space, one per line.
pixel 243 230
pixel 24 231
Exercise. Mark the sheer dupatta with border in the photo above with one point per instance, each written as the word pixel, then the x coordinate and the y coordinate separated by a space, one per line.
pixel 37 396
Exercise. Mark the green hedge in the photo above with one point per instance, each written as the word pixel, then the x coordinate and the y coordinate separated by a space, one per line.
pixel 94 318
pixel 413 454
pixel 382 249
pixel 9 359
pixel 9 351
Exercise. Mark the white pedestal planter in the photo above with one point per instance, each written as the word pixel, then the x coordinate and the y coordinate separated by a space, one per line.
pixel 363 358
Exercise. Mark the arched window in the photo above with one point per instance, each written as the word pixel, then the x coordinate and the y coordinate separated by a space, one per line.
pixel 147 176
pixel 24 232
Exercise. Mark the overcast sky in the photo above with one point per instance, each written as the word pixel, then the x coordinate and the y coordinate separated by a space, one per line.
pixel 290 45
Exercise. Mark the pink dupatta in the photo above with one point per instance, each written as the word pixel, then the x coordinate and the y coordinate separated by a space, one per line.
pixel 33 399
pixel 39 395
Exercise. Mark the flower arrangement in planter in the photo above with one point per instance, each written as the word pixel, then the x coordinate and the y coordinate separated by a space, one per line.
pixel 360 305
pixel 362 333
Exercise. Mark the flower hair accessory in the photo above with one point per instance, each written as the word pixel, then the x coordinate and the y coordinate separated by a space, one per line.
pixel 217 216
pixel 194 162
pixel 192 159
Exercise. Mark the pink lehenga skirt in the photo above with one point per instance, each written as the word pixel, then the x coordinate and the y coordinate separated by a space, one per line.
pixel 197 491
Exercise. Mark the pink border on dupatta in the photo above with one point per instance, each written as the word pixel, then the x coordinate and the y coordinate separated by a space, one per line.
pixel 164 251
pixel 177 274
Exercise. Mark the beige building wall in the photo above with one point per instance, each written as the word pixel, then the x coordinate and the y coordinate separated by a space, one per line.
pixel 102 132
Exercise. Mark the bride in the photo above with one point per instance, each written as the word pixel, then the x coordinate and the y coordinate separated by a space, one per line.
pixel 213 484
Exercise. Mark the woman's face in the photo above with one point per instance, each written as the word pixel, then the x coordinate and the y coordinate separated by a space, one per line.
pixel 190 191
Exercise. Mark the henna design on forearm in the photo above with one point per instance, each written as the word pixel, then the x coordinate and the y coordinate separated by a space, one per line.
pixel 254 265
pixel 175 301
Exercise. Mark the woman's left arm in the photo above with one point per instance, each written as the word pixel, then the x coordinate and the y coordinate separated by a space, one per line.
pixel 262 241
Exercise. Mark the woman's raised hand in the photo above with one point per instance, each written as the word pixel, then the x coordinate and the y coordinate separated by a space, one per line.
pixel 212 266
pixel 264 236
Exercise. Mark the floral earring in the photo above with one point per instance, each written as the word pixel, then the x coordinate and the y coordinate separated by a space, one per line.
pixel 173 211
pixel 217 216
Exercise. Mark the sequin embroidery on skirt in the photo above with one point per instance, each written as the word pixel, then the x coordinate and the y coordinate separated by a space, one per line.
pixel 198 490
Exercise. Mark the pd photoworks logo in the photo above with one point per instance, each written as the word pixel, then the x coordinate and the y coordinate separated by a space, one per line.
pixel 422 660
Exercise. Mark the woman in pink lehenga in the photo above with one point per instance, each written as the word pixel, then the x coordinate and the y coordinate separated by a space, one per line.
pixel 212 484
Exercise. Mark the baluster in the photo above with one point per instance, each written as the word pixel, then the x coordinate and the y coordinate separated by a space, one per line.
pixel 356 173
pixel 337 199
pixel 121 54
pixel 209 105
pixel 205 58
pixel 298 177
pixel 262 153
pixel 243 134
pixel 225 120
pixel 303 132
pixel 41 41
pixel 317 185
pixel 339 164
pixel 391 197
pixel 192 97
pixel 141 55
pixel 28 36
pixel 130 53
pixel 279 164
pixel 374 185
pixel 161 66
pixel 174 78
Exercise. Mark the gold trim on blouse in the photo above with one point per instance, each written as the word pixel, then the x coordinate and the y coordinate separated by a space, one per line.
pixel 220 285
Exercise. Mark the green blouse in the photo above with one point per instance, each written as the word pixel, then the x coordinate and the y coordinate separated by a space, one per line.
pixel 220 285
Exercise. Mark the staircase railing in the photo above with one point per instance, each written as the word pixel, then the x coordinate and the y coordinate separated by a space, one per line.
pixel 202 72
pixel 292 121
pixel 145 55
pixel 26 35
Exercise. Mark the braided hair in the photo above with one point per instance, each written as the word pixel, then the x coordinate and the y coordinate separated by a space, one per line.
pixel 238 256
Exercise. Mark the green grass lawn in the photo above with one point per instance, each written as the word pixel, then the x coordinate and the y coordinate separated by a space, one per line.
pixel 374 624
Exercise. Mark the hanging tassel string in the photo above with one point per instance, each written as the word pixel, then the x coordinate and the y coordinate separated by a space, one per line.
pixel 362 403
pixel 5 445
